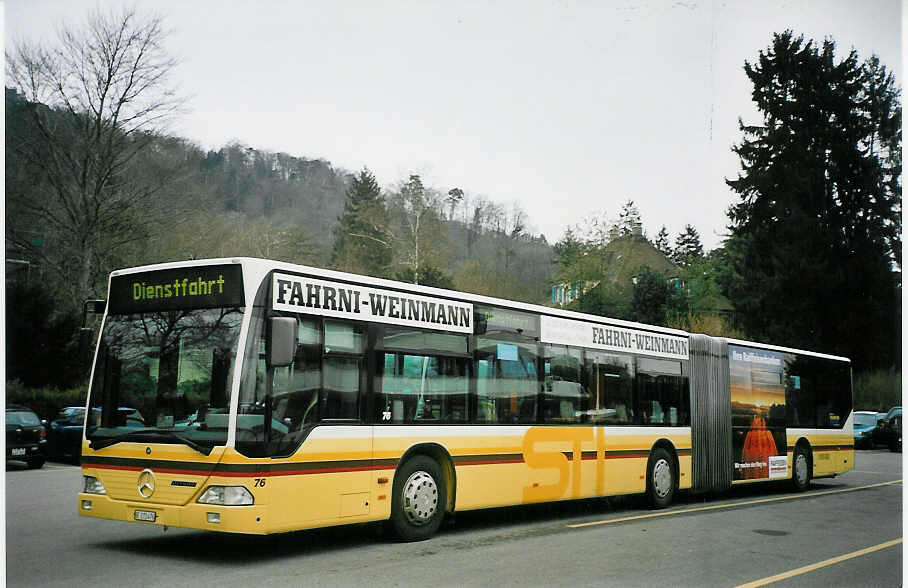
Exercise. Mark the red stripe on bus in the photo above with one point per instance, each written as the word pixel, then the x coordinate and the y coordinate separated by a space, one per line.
pixel 487 462
pixel 239 474
pixel 298 472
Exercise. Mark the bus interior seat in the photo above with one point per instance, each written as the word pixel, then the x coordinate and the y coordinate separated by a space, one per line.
pixel 621 412
pixel 657 416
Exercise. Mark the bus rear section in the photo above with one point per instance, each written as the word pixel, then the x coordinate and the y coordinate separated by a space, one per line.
pixel 763 413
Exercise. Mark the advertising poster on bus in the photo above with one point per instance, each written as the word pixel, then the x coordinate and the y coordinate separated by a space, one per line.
pixel 757 413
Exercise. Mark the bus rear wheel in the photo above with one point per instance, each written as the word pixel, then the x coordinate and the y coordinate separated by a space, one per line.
pixel 800 469
pixel 418 501
pixel 660 478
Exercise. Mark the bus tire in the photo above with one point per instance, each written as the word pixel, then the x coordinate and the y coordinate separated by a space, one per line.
pixel 661 478
pixel 800 469
pixel 418 499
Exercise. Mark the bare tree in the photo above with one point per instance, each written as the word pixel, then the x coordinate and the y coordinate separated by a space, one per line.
pixel 419 232
pixel 97 98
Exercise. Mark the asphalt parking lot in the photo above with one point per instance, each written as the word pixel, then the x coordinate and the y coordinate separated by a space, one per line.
pixel 845 531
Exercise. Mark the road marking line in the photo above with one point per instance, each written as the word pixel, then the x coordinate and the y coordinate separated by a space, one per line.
pixel 666 513
pixel 821 564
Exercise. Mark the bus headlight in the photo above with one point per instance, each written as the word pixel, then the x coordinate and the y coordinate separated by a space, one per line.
pixel 226 496
pixel 94 486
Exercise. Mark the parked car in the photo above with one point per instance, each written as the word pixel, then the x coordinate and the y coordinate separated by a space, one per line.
pixel 865 422
pixel 883 433
pixel 894 429
pixel 64 439
pixel 26 436
pixel 64 435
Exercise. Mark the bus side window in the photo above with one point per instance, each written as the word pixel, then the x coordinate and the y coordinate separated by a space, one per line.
pixel 663 394
pixel 422 376
pixel 610 379
pixel 563 396
pixel 507 385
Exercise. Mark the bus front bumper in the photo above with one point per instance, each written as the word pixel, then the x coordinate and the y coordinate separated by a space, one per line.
pixel 208 517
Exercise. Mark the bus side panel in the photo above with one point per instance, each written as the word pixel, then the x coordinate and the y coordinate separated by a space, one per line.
pixel 833 450
pixel 487 459
pixel 627 456
pixel 500 466
pixel 327 481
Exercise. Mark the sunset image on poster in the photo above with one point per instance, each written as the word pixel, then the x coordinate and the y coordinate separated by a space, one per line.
pixel 758 411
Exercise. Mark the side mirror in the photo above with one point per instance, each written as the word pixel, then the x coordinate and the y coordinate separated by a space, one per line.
pixel 283 341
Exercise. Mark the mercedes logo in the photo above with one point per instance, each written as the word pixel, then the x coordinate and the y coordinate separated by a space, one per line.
pixel 146 484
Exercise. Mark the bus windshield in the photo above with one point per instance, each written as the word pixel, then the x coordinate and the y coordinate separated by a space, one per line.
pixel 164 377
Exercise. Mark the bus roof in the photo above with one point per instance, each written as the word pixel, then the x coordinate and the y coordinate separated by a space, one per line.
pixel 259 268
pixel 786 349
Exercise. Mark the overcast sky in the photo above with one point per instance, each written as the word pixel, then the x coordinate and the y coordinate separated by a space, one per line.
pixel 567 108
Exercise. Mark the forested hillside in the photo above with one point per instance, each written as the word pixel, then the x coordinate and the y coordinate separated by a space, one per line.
pixel 239 200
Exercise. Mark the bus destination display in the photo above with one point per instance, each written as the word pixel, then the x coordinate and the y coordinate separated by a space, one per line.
pixel 177 289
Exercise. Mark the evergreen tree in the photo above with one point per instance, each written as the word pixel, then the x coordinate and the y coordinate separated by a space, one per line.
pixel 650 298
pixel 662 243
pixel 628 219
pixel 687 247
pixel 361 242
pixel 814 241
pixel 568 250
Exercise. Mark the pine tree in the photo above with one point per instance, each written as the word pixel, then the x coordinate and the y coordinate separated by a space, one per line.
pixel 662 243
pixel 628 219
pixel 650 297
pixel 687 247
pixel 361 242
pixel 814 234
pixel 568 250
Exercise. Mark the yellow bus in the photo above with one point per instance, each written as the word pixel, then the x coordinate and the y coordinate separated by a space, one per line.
pixel 274 397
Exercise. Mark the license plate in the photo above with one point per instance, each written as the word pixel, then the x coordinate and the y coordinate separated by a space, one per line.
pixel 146 515
pixel 18 451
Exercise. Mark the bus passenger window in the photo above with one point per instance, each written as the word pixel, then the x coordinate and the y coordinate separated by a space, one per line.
pixel 507 384
pixel 422 377
pixel 611 379
pixel 663 394
pixel 343 376
pixel 563 396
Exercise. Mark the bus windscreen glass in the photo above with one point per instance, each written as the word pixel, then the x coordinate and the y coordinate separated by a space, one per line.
pixel 165 363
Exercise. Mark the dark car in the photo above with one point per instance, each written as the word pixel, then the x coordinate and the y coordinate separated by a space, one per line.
pixel 888 431
pixel 64 435
pixel 25 436
pixel 64 439
pixel 893 428
pixel 865 421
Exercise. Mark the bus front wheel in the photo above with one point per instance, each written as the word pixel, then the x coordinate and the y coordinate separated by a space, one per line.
pixel 660 478
pixel 418 501
pixel 800 469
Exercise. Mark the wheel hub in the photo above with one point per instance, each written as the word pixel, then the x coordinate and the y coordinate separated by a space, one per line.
pixel 662 478
pixel 801 468
pixel 420 499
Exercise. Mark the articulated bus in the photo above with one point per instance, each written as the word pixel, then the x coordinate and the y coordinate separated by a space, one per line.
pixel 274 397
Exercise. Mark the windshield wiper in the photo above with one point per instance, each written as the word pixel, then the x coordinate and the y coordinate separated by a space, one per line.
pixel 150 435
